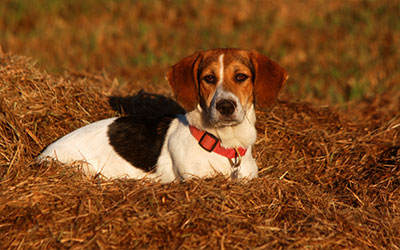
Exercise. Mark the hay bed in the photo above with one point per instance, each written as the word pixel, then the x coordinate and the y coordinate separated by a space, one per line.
pixel 329 178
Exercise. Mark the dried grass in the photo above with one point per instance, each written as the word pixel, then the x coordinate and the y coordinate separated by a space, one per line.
pixel 329 178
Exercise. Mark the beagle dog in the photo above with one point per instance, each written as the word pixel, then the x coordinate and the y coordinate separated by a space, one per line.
pixel 219 90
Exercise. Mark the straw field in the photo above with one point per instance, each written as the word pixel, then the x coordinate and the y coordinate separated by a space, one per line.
pixel 328 151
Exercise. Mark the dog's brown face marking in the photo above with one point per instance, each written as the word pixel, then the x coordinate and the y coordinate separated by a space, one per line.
pixel 229 70
pixel 226 83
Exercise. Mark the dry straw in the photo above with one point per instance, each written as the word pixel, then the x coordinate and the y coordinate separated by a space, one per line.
pixel 329 178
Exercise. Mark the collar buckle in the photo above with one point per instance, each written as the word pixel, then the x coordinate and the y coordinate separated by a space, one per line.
pixel 208 141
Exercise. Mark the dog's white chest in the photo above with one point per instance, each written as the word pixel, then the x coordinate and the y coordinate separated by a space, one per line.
pixel 184 157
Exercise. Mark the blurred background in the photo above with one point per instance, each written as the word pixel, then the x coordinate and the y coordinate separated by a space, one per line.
pixel 334 51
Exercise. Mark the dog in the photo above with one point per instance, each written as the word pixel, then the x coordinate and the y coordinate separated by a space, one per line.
pixel 219 90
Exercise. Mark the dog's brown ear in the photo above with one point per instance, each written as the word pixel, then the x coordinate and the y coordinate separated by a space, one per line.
pixel 268 81
pixel 182 77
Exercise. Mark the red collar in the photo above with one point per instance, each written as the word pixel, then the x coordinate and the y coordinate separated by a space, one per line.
pixel 212 144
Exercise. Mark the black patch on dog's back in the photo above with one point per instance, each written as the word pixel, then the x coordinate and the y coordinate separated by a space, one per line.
pixel 145 104
pixel 139 139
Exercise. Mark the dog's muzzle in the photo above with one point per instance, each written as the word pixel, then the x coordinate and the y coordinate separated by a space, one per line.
pixel 226 107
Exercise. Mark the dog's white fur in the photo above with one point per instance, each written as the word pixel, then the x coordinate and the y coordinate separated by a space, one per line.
pixel 89 146
pixel 181 156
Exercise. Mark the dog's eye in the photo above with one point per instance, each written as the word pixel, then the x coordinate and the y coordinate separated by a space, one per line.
pixel 241 77
pixel 210 79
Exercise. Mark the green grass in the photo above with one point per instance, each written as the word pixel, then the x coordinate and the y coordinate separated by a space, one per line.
pixel 333 52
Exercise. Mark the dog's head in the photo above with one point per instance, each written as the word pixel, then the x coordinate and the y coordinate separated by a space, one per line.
pixel 225 83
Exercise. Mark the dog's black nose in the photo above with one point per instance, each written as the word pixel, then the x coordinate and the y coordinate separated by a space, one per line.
pixel 226 106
